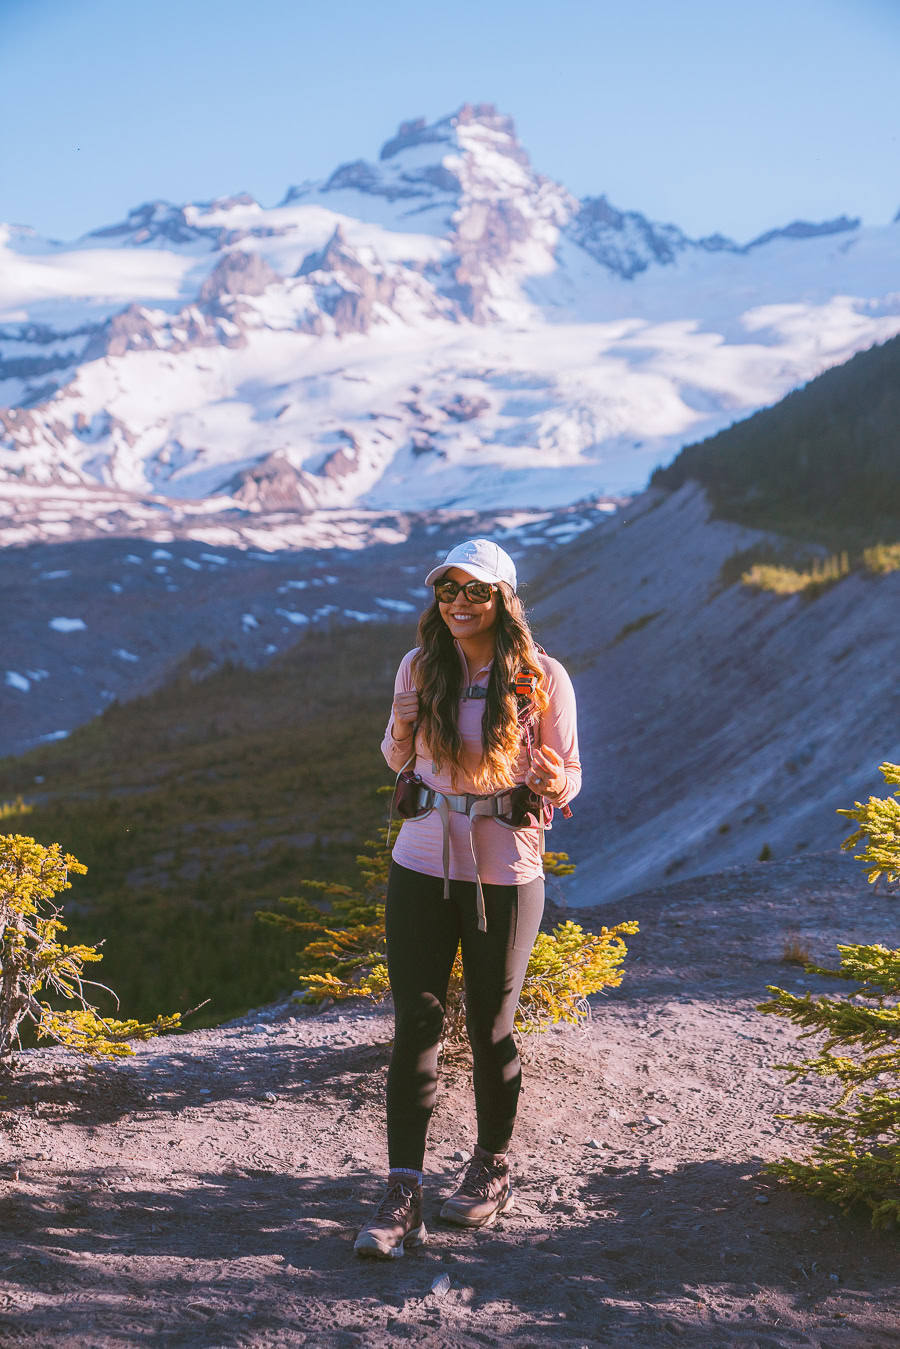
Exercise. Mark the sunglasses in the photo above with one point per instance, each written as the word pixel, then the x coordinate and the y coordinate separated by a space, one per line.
pixel 476 592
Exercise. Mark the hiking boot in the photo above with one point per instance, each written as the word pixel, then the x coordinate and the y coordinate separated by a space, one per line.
pixel 484 1194
pixel 397 1222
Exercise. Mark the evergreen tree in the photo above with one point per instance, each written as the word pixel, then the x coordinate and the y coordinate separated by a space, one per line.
pixel 33 959
pixel 343 953
pixel 856 1158
pixel 823 462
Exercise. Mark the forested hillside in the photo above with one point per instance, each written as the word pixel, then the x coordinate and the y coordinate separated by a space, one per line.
pixel 823 463
pixel 196 806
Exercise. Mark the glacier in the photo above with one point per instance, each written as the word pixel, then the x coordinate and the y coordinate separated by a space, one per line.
pixel 441 328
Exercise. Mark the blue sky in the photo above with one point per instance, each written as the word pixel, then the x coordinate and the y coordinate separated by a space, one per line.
pixel 714 116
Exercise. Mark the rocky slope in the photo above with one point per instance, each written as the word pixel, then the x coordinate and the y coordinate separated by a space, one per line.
pixel 714 720
pixel 440 327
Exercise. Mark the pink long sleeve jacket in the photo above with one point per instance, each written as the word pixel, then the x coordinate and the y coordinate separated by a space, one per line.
pixel 506 856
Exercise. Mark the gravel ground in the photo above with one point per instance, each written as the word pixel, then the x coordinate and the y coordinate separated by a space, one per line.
pixel 207 1191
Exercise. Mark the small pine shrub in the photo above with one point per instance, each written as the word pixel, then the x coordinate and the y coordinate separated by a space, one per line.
pixel 882 558
pixel 795 951
pixel 820 576
pixel 856 1158
pixel 878 830
pixel 33 960
pixel 18 807
pixel 344 954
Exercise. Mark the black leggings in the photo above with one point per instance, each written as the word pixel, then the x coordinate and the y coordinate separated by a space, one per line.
pixel 424 931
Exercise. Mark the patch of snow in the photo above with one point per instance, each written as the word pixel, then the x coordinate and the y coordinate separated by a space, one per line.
pixel 189 562
pixel 115 587
pixel 54 575
pixel 401 606
pixel 125 655
pixel 17 681
pixel 132 557
pixel 214 557
pixel 360 617
pixel 54 735
pixel 249 621
pixel 292 616
pixel 67 624
pixel 162 554
pixel 572 528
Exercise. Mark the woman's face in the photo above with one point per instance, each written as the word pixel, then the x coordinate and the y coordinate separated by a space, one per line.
pixel 463 618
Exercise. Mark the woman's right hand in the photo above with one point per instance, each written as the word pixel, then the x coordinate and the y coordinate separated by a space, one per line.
pixel 406 713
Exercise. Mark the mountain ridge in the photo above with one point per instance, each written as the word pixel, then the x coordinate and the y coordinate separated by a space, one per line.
pixel 175 350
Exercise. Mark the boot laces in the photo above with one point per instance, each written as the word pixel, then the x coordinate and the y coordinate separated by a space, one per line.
pixel 396 1200
pixel 480 1176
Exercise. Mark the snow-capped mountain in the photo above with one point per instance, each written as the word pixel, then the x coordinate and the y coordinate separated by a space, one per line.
pixel 442 327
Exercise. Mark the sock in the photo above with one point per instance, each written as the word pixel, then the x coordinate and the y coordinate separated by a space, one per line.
pixel 494 1156
pixel 407 1171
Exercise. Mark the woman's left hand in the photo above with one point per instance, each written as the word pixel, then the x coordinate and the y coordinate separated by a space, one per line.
pixel 546 776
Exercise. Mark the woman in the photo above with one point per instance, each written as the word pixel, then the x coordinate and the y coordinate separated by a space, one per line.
pixel 462 872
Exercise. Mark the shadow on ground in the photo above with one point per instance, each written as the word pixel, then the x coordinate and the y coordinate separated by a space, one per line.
pixel 260 1258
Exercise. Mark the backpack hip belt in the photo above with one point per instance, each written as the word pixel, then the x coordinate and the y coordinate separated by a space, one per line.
pixel 413 800
pixel 494 806
pixel 465 804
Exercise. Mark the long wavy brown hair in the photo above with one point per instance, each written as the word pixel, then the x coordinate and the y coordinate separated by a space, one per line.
pixel 438 676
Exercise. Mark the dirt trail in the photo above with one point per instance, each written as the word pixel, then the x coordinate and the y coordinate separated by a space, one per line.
pixel 167 1201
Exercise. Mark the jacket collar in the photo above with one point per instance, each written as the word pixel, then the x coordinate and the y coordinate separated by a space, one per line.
pixel 470 678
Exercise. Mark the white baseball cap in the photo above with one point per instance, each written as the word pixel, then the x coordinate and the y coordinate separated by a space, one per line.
pixel 481 558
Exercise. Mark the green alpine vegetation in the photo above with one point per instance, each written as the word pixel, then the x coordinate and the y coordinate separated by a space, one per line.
pixel 37 969
pixel 856 1156
pixel 205 801
pixel 823 464
pixel 342 954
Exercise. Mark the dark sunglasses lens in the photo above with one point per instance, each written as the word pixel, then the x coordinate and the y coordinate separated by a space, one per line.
pixel 479 592
pixel 476 592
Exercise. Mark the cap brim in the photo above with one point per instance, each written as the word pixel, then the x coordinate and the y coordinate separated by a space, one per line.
pixel 477 573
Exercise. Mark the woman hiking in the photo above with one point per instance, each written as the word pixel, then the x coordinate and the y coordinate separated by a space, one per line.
pixel 483 739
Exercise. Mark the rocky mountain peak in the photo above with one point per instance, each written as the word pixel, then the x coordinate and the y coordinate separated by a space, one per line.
pixel 624 241
pixel 156 222
pixel 344 288
pixel 805 229
pixel 417 132
pixel 459 130
pixel 336 255
pixel 237 273
pixel 463 152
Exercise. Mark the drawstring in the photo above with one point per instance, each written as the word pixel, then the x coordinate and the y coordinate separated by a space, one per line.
pixel 442 806
pixel 485 805
pixel 480 806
